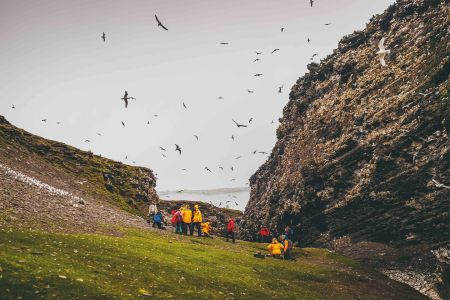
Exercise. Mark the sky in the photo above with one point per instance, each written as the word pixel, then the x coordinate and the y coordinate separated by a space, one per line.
pixel 54 65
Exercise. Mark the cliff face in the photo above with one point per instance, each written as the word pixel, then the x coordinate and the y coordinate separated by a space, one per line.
pixel 131 188
pixel 359 144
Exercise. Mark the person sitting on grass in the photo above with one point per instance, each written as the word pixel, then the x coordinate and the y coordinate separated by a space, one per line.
pixel 275 248
pixel 157 219
pixel 206 229
pixel 287 243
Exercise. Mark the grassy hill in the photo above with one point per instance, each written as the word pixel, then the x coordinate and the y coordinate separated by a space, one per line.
pixel 36 264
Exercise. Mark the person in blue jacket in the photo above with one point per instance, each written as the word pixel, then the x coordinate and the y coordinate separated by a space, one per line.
pixel 157 219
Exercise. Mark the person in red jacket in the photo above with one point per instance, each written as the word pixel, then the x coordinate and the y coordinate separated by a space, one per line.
pixel 230 228
pixel 176 220
pixel 264 234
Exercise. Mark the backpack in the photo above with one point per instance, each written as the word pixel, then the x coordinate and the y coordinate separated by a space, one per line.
pixel 290 245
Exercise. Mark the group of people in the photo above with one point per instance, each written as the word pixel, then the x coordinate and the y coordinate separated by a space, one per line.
pixel 275 247
pixel 185 219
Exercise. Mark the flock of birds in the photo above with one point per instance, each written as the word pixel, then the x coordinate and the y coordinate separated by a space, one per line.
pixel 381 54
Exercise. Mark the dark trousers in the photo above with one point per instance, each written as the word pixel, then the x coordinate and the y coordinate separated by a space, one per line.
pixel 264 239
pixel 287 255
pixel 157 223
pixel 185 227
pixel 178 227
pixel 196 225
pixel 232 235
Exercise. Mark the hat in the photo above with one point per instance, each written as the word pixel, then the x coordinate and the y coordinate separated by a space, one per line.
pixel 196 207
pixel 274 240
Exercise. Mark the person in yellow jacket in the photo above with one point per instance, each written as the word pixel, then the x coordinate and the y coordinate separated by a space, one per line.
pixel 206 229
pixel 197 221
pixel 187 219
pixel 275 248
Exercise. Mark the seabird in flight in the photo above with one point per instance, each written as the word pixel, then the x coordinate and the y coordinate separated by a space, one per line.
pixel 160 24
pixel 239 125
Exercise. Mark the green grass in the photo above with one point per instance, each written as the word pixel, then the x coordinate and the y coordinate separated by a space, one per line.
pixel 146 262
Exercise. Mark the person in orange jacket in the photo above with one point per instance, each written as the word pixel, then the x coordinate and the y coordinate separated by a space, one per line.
pixel 275 248
pixel 196 221
pixel 287 248
pixel 187 218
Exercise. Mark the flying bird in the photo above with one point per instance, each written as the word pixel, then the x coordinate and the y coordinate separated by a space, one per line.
pixel 382 52
pixel 250 120
pixel 328 24
pixel 232 137
pixel 257 60
pixel 233 179
pixel 103 37
pixel 125 98
pixel 123 123
pixel 220 98
pixel 148 122
pixel 258 74
pixel 126 157
pixel 162 148
pixel 178 148
pixel 224 43
pixel 221 168
pixel 156 115
pixel 249 91
pixel 99 134
pixel 309 40
pixel 133 162
pixel 275 50
pixel 184 105
pixel 282 29
pixel 280 88
pixel 13 106
pixel 58 123
pixel 263 152
pixel 239 125
pixel 232 169
pixel 206 168
pixel 87 141
pixel 311 1
pixel 272 122
pixel 183 169
pixel 160 24
pixel 164 155
pixel 257 53
pixel 238 157
pixel 45 120
pixel 236 203
pixel 196 137
pixel 315 54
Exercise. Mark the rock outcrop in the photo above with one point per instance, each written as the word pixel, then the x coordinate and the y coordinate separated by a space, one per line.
pixel 363 151
pixel 129 187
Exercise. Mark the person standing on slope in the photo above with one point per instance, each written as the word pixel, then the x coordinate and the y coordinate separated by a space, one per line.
pixel 274 232
pixel 176 220
pixel 230 228
pixel 264 234
pixel 287 243
pixel 152 210
pixel 187 219
pixel 197 221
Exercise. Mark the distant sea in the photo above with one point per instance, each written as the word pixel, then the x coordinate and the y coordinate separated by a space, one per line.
pixel 233 198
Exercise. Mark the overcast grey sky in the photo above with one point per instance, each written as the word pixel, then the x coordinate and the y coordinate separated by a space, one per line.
pixel 55 66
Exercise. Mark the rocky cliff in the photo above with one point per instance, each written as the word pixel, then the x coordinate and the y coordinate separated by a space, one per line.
pixel 363 150
pixel 131 188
